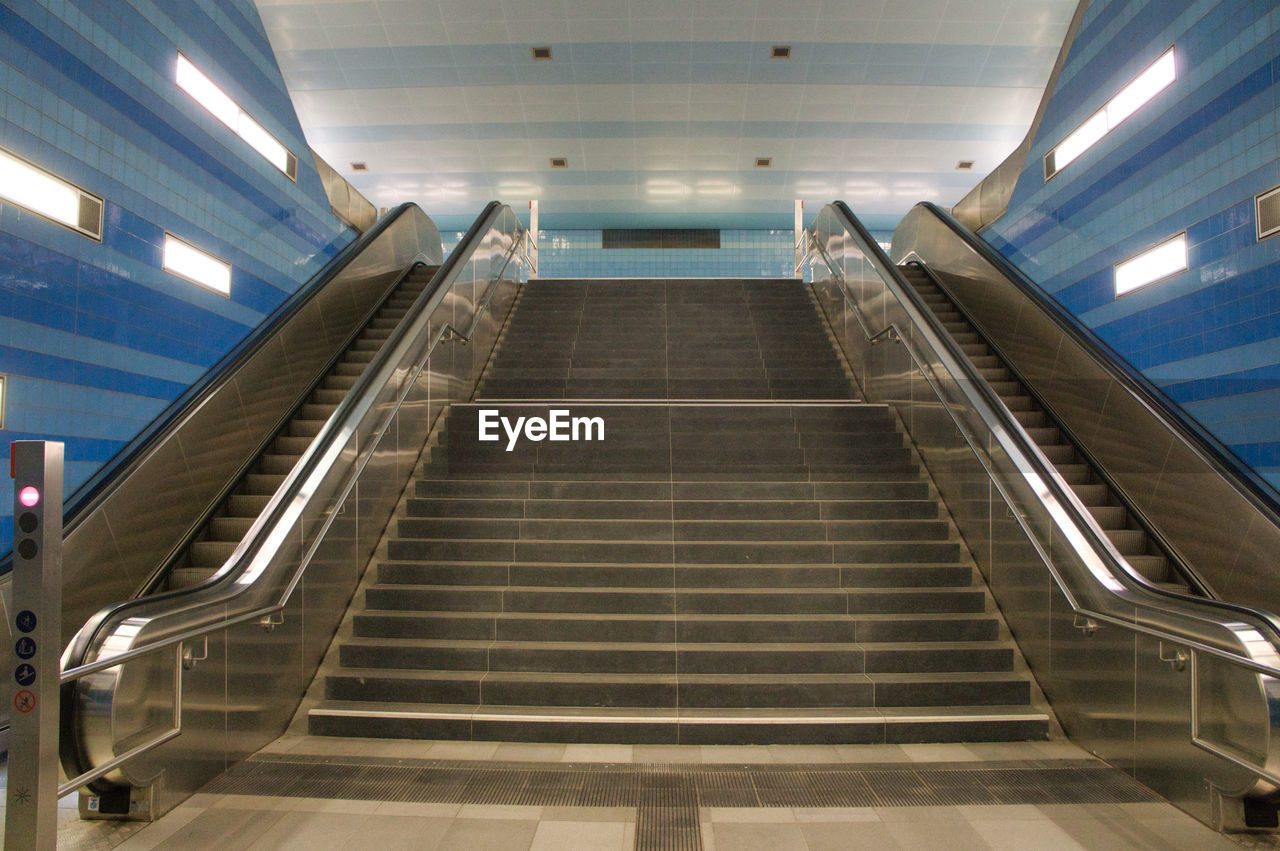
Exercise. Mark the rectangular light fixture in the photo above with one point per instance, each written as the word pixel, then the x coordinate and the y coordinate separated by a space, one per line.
pixel 186 261
pixel 1267 212
pixel 1158 76
pixel 207 93
pixel 1154 264
pixel 2 389
pixel 44 193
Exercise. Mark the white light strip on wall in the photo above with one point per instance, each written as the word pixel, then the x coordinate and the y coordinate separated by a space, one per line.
pixel 1156 78
pixel 186 261
pixel 2 388
pixel 45 193
pixel 1167 258
pixel 207 94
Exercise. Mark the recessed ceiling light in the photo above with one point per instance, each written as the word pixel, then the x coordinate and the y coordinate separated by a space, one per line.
pixel 781 51
pixel 542 53
pixel 359 166
pixel 764 162
pixel 964 165
pixel 559 162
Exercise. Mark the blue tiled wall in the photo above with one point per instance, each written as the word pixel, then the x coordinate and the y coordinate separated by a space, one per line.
pixel 95 338
pixel 742 254
pixel 564 253
pixel 1191 160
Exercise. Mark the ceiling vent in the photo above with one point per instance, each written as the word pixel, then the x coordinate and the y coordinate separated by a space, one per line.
pixel 781 51
pixel 1268 213
pixel 559 162
pixel 359 166
pixel 764 162
pixel 542 53
pixel 964 165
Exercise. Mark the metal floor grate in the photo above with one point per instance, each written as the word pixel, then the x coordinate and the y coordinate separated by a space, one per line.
pixel 667 797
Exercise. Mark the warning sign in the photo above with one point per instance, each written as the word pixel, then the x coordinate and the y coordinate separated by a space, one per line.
pixel 24 701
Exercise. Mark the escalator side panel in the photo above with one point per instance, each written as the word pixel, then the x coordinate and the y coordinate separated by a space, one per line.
pixel 1214 524
pixel 142 520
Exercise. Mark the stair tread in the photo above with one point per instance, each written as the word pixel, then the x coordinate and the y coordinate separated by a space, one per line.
pixel 635 646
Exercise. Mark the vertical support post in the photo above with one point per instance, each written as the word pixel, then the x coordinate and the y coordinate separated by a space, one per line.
pixel 533 234
pixel 31 815
pixel 799 235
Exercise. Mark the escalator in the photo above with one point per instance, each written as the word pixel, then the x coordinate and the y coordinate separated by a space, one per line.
pixel 1087 481
pixel 1127 553
pixel 206 663
pixel 215 543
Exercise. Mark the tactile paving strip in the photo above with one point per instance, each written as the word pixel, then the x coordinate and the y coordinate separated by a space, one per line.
pixel 667 797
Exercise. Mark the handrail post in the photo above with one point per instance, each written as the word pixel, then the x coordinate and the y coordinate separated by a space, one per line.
pixel 31 814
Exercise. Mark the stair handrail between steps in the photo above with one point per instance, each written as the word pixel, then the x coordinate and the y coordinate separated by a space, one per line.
pixel 1240 636
pixel 237 592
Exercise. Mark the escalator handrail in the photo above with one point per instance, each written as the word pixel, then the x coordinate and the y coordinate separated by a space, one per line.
pixel 86 639
pixel 90 495
pixel 1176 560
pixel 1215 454
pixel 1029 456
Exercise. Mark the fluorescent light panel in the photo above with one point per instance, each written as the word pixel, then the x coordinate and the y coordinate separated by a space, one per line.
pixel 1167 258
pixel 1156 78
pixel 43 192
pixel 186 261
pixel 2 389
pixel 206 93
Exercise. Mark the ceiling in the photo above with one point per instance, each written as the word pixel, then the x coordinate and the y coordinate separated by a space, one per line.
pixel 662 107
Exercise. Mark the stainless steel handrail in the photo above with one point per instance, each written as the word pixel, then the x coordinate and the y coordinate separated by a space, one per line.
pixel 1206 448
pixel 1178 563
pixel 1110 577
pixel 236 593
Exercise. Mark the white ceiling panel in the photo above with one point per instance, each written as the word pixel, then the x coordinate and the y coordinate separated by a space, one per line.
pixel 662 106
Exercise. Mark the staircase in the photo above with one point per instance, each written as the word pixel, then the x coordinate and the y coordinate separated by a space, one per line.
pixel 768 569
pixel 1107 508
pixel 215 543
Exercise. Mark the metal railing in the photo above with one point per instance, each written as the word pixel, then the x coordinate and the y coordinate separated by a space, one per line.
pixel 1032 522
pixel 320 526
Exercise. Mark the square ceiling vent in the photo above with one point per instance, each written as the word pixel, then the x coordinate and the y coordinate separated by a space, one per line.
pixel 559 162
pixel 781 51
pixel 764 162
pixel 359 166
pixel 541 53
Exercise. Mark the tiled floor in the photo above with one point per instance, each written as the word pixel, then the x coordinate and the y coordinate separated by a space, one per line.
pixel 227 822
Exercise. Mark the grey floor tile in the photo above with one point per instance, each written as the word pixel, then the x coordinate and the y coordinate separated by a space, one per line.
pixel 392 833
pixel 846 836
pixel 469 834
pixel 758 837
pixel 305 831
pixel 222 828
pixel 522 752
pixel 1026 835
pixel 954 834
pixel 558 835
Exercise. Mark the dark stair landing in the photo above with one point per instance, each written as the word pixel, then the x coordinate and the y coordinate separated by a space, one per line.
pixel 708 574
pixel 754 339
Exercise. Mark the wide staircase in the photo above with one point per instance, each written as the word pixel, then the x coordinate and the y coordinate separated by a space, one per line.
pixel 749 554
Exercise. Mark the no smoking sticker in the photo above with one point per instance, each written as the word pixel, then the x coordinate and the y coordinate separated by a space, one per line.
pixel 24 701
